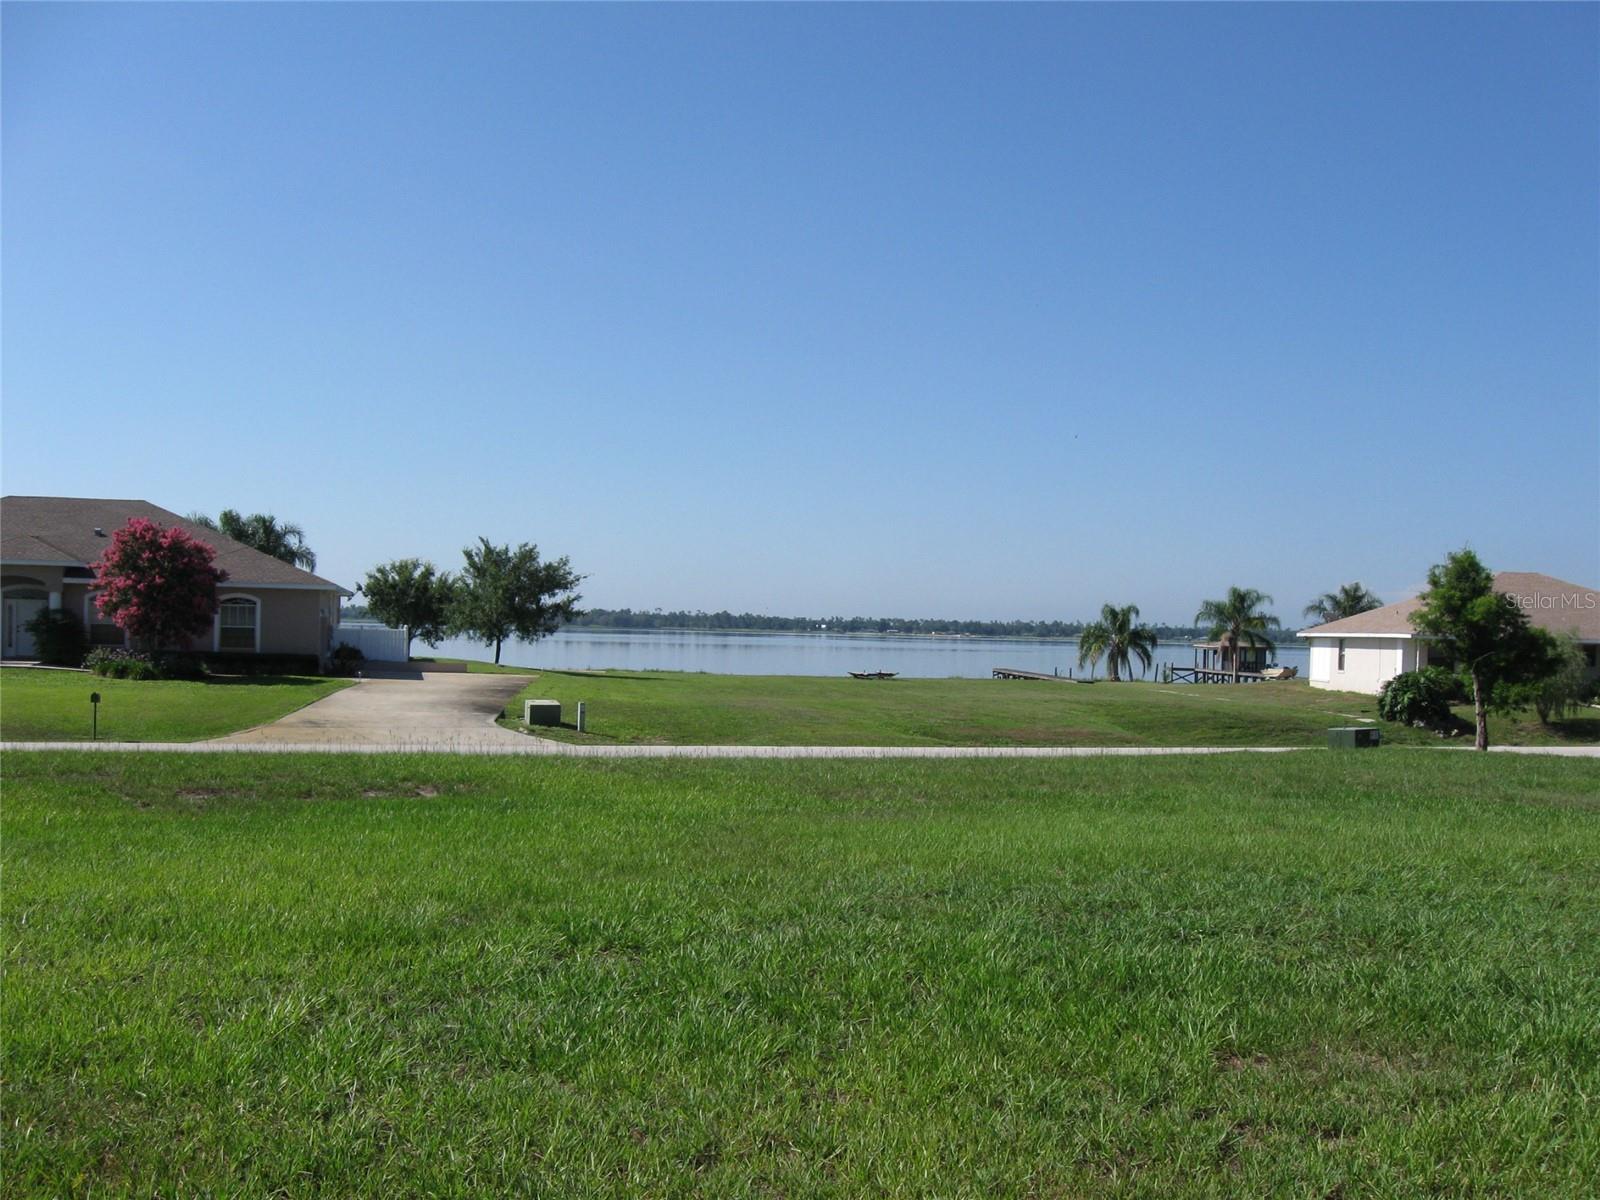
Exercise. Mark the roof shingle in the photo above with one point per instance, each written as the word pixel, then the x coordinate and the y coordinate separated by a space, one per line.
pixel 51 530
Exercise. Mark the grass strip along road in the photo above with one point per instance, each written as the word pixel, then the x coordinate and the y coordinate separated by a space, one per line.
pixel 1311 974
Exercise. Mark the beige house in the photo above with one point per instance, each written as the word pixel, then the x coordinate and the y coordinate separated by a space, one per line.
pixel 1363 652
pixel 48 543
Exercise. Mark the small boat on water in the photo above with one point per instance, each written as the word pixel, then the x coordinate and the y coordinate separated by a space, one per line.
pixel 873 674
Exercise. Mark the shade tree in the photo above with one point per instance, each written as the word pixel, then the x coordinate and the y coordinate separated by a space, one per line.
pixel 413 594
pixel 506 593
pixel 1485 634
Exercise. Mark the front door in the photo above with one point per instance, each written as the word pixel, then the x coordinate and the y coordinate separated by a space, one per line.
pixel 18 641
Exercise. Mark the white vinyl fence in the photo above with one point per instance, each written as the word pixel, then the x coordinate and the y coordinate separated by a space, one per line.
pixel 379 643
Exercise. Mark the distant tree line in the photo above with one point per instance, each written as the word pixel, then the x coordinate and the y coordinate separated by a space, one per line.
pixel 628 618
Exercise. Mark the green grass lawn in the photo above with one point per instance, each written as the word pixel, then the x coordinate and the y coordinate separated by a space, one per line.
pixel 54 705
pixel 1311 975
pixel 697 709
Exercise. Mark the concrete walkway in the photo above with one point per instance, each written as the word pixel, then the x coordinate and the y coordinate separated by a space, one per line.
pixel 517 744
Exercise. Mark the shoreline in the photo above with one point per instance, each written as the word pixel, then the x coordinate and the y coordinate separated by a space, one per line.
pixel 827 633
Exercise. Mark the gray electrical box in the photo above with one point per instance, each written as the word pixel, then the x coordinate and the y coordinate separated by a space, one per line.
pixel 1353 737
pixel 541 712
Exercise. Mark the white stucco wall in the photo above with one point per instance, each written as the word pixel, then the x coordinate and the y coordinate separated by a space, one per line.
pixel 1412 655
pixel 1369 663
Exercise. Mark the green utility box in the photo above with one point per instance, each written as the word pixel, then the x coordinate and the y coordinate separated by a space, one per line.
pixel 1353 737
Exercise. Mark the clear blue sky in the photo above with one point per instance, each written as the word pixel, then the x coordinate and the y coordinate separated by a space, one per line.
pixel 962 311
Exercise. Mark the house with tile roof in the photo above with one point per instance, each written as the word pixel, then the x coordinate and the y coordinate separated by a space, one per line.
pixel 1363 652
pixel 48 545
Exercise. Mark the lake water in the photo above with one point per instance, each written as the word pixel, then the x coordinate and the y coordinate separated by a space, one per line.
pixel 723 653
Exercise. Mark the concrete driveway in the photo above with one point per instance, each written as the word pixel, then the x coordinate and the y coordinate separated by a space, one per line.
pixel 436 711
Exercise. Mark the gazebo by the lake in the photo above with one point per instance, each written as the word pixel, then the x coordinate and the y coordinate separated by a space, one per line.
pixel 1214 662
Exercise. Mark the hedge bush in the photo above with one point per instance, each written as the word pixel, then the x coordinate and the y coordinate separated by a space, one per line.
pixel 180 665
pixel 346 659
pixel 59 638
pixel 1421 698
pixel 117 663
pixel 223 663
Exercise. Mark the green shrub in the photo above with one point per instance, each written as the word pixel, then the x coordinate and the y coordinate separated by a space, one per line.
pixel 117 663
pixel 234 663
pixel 122 664
pixel 1567 686
pixel 58 637
pixel 1421 698
pixel 346 659
pixel 180 665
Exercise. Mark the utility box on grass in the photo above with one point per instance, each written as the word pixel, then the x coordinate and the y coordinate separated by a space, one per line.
pixel 1353 737
pixel 541 712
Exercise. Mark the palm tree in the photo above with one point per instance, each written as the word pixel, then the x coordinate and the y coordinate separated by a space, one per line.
pixel 1350 599
pixel 1116 637
pixel 285 541
pixel 1089 652
pixel 1237 621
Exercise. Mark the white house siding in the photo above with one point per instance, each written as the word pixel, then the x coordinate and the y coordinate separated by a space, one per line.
pixel 1369 663
pixel 1411 651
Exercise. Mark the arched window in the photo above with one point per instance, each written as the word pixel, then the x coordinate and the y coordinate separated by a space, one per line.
pixel 239 624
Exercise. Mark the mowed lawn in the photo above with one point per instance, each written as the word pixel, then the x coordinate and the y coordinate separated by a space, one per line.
pixel 1308 975
pixel 54 705
pixel 787 710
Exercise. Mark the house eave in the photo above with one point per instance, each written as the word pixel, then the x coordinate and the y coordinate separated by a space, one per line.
pixel 1308 634
pixel 230 581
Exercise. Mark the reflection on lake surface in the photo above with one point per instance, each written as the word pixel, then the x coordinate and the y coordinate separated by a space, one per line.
pixel 724 653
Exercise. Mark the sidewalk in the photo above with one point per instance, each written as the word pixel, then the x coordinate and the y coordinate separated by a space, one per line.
pixel 537 747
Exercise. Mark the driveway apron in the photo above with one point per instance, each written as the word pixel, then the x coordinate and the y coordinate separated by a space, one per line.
pixel 437 710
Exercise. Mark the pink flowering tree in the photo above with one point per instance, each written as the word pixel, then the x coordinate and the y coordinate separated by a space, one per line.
pixel 158 584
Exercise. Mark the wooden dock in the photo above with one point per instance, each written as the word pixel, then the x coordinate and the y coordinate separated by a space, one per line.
pixel 1015 673
pixel 1211 675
